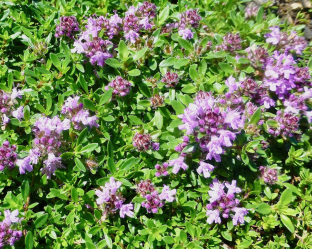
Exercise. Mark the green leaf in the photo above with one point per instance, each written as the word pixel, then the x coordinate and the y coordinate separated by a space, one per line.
pixel 88 148
pixel 108 240
pixel 94 230
pixel 134 72
pixel 129 163
pixel 67 155
pixel 264 208
pixel 80 68
pixel 255 117
pixel 29 240
pixel 113 63
pixel 56 61
pixel 83 83
pixel 70 218
pixel 158 119
pixel 135 120
pixel 111 165
pixel 123 51
pixel 82 136
pixel 167 62
pixel 163 15
pixel 226 68
pixel 168 240
pixel 87 103
pixel 74 195
pixel 259 17
pixel 285 198
pixel 145 103
pixel 180 63
pixel 145 90
pixel 40 221
pixel 25 189
pixel 226 235
pixel 190 204
pixel 185 44
pixel 189 89
pixel 190 228
pixel 287 223
pixel 138 55
pixel 26 113
pixel 177 106
pixel 106 96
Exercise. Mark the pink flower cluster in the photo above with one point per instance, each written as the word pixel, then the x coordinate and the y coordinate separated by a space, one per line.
pixel 47 144
pixel 224 203
pixel 154 200
pixel 7 105
pixel 120 86
pixel 8 233
pixel 143 142
pixel 8 155
pixel 68 26
pixel 111 200
pixel 78 115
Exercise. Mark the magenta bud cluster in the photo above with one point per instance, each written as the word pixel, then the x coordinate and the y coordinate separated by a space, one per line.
pixel 8 155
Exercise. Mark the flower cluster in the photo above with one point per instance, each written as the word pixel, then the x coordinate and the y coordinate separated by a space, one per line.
pixel 212 125
pixel 8 155
pixel 47 143
pixel 157 101
pixel 153 200
pixel 68 26
pixel 188 19
pixel 285 124
pixel 224 203
pixel 231 43
pixel 268 175
pixel 282 75
pixel 78 115
pixel 143 142
pixel 161 169
pixel 120 86
pixel 8 233
pixel 7 103
pixel 111 200
pixel 171 79
pixel 285 42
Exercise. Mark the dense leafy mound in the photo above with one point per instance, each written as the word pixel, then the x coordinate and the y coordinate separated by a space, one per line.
pixel 153 125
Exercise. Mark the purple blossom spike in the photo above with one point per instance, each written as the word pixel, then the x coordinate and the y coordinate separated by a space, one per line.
pixel 161 170
pixel 8 155
pixel 51 165
pixel 126 209
pixel 268 175
pixel 167 194
pixel 205 169
pixel 67 27
pixel 120 86
pixel 178 164
pixel 186 34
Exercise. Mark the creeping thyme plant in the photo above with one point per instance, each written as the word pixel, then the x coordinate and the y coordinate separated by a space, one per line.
pixel 127 124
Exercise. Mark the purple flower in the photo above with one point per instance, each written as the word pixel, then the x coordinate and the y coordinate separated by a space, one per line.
pixel 186 34
pixel 239 215
pixel 99 58
pixel 205 169
pixel 51 165
pixel 167 194
pixel 103 196
pixel 232 189
pixel 268 175
pixel 132 36
pixel 8 155
pixel 178 164
pixel 68 26
pixel 126 210
pixel 274 36
pixel 18 113
pixel 232 84
pixel 213 216
pixel 161 170
pixel 113 186
pixel 121 87
pixel 216 190
pixel 10 217
pixel 24 164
